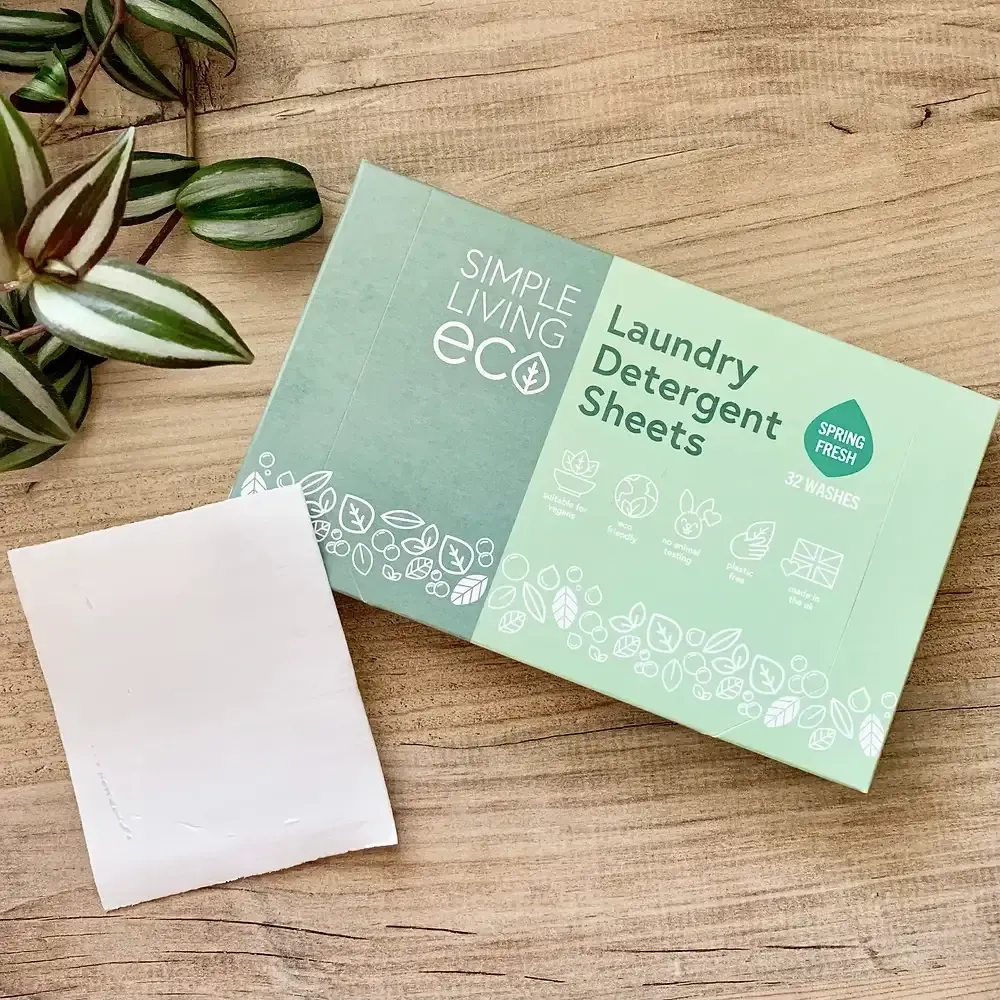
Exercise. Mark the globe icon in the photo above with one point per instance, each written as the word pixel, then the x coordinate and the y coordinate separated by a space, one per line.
pixel 636 496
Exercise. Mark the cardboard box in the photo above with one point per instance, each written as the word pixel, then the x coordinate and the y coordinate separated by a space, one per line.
pixel 615 476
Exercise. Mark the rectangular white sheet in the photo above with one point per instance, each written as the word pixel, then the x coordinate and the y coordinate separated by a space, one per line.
pixel 205 696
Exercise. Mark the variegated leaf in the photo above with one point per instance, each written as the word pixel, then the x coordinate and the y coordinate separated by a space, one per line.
pixel 50 89
pixel 125 61
pixel 122 310
pixel 75 388
pixel 27 38
pixel 30 408
pixel 15 311
pixel 72 225
pixel 251 204
pixel 153 183
pixel 25 176
pixel 201 20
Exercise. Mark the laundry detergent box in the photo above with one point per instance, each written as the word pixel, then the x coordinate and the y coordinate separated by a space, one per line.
pixel 630 482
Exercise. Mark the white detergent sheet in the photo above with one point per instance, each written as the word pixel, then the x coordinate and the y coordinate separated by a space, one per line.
pixel 205 696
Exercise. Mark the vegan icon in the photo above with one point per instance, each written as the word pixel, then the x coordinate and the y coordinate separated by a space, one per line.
pixel 753 544
pixel 575 475
pixel 693 520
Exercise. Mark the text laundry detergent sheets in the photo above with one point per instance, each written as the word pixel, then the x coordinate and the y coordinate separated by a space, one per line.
pixel 615 476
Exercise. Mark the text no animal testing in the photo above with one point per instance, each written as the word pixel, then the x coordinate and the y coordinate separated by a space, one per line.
pixel 707 406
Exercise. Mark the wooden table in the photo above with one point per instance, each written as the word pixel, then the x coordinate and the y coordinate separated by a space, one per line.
pixel 834 164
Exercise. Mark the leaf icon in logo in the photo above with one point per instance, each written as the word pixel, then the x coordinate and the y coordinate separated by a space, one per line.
pixel 531 374
pixel 839 441
pixel 455 556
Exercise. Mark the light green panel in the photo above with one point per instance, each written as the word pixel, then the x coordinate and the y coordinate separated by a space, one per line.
pixel 726 589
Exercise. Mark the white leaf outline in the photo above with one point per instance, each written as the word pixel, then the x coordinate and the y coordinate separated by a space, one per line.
pixel 672 676
pixel 502 597
pixel 871 735
pixel 841 717
pixel 450 555
pixel 253 484
pixel 783 711
pixel 767 676
pixel 417 545
pixel 469 589
pixel 403 520
pixel 362 558
pixel 525 374
pixel 564 607
pixel 822 739
pixel 812 716
pixel 315 481
pixel 663 634
pixel 419 568
pixel 533 601
pixel 729 688
pixel 511 621
pixel 722 641
pixel 356 514
pixel 626 646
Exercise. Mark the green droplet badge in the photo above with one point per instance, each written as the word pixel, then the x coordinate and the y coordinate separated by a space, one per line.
pixel 839 441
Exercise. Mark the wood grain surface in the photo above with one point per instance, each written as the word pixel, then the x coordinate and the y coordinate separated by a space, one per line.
pixel 834 163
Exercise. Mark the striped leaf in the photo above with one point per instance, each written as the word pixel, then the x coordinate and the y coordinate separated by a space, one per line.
pixel 251 204
pixel 50 89
pixel 30 408
pixel 72 225
pixel 25 175
pixel 15 311
pixel 125 61
pixel 125 311
pixel 27 38
pixel 74 386
pixel 200 20
pixel 153 184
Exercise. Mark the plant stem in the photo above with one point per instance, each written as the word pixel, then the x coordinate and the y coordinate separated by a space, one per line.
pixel 10 286
pixel 117 19
pixel 29 331
pixel 189 90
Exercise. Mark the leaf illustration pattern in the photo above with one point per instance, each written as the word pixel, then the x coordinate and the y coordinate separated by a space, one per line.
pixel 501 597
pixel 766 675
pixel 822 739
pixel 842 718
pixel 391 574
pixel 362 558
pixel 404 520
pixel 812 716
pixel 533 601
pixel 783 711
pixel 673 675
pixel 729 688
pixel 564 607
pixel 254 483
pixel 423 542
pixel 663 634
pixel 456 556
pixel 314 482
pixel 419 568
pixel 627 646
pixel 594 652
pixel 356 514
pixel 512 621
pixel 722 640
pixel 469 589
pixel 871 735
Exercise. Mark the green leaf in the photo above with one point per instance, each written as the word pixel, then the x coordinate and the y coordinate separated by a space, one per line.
pixel 125 311
pixel 15 311
pixel 153 184
pixel 30 408
pixel 74 386
pixel 251 204
pixel 50 89
pixel 72 225
pixel 124 60
pixel 25 176
pixel 200 20
pixel 27 38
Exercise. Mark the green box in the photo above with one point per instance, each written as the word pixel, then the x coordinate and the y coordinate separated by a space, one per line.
pixel 643 487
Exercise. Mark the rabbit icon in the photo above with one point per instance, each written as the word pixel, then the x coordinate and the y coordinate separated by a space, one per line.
pixel 692 519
